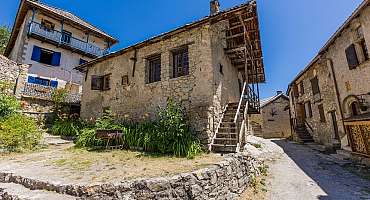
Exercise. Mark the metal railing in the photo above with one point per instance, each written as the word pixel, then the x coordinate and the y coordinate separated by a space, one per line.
pixel 57 36
pixel 45 93
pixel 218 128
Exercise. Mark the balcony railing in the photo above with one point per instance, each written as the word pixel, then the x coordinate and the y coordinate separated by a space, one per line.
pixel 45 92
pixel 57 37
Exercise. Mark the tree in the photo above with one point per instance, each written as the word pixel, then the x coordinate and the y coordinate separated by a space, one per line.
pixel 4 37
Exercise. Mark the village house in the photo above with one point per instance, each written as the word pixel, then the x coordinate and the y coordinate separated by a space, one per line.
pixel 330 98
pixel 52 41
pixel 207 66
pixel 274 120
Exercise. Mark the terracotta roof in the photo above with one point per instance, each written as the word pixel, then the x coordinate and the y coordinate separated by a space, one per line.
pixel 167 34
pixel 359 9
pixel 269 100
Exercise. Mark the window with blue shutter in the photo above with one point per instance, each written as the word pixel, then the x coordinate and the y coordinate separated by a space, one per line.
pixel 54 84
pixel 31 79
pixel 36 54
pixel 46 56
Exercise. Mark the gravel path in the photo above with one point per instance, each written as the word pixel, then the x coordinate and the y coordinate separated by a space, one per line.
pixel 305 174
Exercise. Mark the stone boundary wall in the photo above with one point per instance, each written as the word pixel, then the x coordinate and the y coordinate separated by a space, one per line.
pixel 225 180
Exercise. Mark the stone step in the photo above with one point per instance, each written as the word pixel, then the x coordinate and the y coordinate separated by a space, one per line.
pixel 223 148
pixel 14 191
pixel 226 135
pixel 227 141
pixel 228 124
pixel 227 130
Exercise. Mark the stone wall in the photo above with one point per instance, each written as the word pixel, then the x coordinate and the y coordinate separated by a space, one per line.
pixel 13 73
pixel 202 93
pixel 225 180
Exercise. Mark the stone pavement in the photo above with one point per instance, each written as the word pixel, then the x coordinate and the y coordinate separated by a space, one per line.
pixel 306 174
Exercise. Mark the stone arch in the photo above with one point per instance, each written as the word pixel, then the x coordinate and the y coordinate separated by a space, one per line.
pixel 349 103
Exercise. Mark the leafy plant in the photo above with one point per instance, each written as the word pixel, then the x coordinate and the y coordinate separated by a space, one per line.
pixel 87 138
pixel 67 127
pixel 18 132
pixel 58 97
pixel 4 37
pixel 8 105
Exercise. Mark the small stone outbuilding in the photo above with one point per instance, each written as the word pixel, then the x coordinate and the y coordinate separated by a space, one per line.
pixel 274 120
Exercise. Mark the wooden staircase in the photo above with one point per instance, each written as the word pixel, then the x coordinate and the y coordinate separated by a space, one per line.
pixel 226 139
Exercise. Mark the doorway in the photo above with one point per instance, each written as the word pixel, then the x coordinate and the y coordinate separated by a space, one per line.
pixel 335 125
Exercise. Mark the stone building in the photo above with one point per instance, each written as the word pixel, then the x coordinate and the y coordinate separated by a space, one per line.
pixel 53 41
pixel 202 65
pixel 274 120
pixel 330 97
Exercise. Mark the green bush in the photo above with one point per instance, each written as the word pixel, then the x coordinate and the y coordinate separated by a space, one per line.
pixel 87 139
pixel 8 105
pixel 67 127
pixel 18 133
pixel 169 135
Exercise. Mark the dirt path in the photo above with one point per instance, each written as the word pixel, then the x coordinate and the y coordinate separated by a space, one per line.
pixel 305 174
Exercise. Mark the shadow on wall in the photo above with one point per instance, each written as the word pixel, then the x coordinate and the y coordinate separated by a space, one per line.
pixel 337 183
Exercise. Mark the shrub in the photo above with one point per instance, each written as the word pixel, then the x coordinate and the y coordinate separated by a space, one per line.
pixel 67 127
pixel 8 105
pixel 58 97
pixel 87 139
pixel 169 135
pixel 18 132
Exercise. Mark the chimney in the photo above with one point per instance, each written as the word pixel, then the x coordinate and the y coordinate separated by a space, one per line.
pixel 279 92
pixel 215 7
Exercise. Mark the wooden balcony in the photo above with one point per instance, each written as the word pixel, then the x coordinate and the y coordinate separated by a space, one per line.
pixel 45 93
pixel 61 39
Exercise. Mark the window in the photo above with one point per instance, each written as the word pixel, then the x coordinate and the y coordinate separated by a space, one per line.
pixel 352 58
pixel 82 61
pixel 96 83
pixel 354 109
pixel 101 83
pixel 308 109
pixel 42 81
pixel 322 113
pixel 154 69
pixel 47 25
pixel 301 88
pixel 180 62
pixel 125 80
pixel 66 37
pixel 46 56
pixel 364 50
pixel 315 86
pixel 221 69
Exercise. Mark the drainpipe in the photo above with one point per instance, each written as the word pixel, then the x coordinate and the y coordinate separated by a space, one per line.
pixel 330 62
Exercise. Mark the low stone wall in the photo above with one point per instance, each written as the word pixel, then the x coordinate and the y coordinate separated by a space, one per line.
pixel 225 180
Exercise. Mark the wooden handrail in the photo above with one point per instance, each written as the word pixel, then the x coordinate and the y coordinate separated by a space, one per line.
pixel 218 127
pixel 240 103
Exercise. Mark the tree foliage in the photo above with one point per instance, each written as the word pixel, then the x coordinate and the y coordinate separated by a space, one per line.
pixel 4 37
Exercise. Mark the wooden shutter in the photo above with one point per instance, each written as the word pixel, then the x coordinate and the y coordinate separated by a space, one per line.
pixel 106 82
pixel 352 58
pixel 56 59
pixel 315 85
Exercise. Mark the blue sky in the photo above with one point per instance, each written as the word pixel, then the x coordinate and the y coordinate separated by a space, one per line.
pixel 292 30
